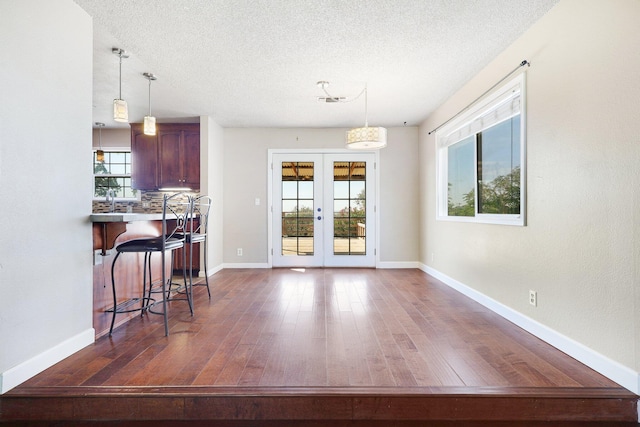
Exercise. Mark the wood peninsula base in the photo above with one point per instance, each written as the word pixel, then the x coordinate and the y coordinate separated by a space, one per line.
pixel 128 271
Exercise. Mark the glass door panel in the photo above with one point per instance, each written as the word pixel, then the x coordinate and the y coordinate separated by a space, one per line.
pixel 349 227
pixel 349 208
pixel 297 208
pixel 296 189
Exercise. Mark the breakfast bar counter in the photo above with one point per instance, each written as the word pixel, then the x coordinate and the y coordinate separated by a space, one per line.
pixel 124 217
pixel 108 226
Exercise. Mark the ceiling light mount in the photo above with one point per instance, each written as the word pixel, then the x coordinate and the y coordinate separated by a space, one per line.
pixel 120 52
pixel 149 120
pixel 120 108
pixel 331 99
pixel 150 76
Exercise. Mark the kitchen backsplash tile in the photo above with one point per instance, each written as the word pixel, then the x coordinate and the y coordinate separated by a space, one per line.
pixel 150 202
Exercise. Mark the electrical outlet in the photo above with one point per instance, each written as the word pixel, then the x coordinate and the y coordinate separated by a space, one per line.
pixel 239 251
pixel 533 298
pixel 97 257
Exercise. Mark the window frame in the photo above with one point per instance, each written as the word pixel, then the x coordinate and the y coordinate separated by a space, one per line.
pixel 444 140
pixel 138 195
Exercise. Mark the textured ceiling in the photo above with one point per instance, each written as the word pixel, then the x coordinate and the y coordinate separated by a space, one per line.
pixel 256 63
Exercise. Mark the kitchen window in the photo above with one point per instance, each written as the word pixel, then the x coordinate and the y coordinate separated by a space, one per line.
pixel 114 173
pixel 481 161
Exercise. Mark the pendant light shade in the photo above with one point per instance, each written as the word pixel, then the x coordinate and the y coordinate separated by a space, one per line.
pixel 149 125
pixel 149 120
pixel 366 138
pixel 120 111
pixel 120 108
pixel 99 152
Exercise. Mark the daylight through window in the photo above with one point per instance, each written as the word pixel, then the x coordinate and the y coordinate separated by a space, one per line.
pixel 114 173
pixel 480 160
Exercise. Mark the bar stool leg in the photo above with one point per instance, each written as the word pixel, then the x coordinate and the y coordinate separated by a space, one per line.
pixel 164 300
pixel 144 302
pixel 206 277
pixel 113 288
pixel 187 286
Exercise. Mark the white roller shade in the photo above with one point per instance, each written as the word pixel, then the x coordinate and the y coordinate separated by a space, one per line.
pixel 507 104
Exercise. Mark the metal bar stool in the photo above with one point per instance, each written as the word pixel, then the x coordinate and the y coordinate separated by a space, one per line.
pixel 201 206
pixel 176 214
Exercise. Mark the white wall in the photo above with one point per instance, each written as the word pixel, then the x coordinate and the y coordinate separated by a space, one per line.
pixel 245 179
pixel 211 167
pixel 45 185
pixel 112 138
pixel 579 250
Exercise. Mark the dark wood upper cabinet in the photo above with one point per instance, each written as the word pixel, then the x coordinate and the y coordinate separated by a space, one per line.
pixel 177 157
pixel 144 159
pixel 191 151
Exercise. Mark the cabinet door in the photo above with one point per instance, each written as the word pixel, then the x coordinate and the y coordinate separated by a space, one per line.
pixel 169 168
pixel 144 160
pixel 191 159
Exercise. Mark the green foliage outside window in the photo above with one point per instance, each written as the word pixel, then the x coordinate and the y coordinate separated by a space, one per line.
pixel 104 183
pixel 345 222
pixel 113 173
pixel 500 196
pixel 299 223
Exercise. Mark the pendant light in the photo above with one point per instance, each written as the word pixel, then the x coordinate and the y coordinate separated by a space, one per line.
pixel 99 152
pixel 120 109
pixel 366 138
pixel 149 121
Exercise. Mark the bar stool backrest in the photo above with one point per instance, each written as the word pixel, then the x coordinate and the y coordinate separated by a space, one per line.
pixel 176 216
pixel 201 208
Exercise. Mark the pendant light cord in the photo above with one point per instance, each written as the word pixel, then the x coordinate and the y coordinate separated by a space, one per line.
pixel 149 76
pixel 366 113
pixel 100 126
pixel 120 55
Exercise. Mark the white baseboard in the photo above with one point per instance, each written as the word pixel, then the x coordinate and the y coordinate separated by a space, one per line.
pixel 398 264
pixel 246 265
pixel 611 369
pixel 211 271
pixel 22 372
pixel 392 264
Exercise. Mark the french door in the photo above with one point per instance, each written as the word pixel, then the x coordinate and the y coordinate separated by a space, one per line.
pixel 323 209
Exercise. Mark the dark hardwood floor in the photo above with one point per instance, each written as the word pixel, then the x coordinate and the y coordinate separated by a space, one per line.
pixel 318 347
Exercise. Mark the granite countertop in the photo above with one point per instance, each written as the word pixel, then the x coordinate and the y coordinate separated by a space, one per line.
pixel 124 217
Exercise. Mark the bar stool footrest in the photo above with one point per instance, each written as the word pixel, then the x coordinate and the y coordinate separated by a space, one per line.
pixel 123 307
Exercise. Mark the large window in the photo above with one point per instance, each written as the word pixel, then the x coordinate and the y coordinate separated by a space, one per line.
pixel 480 160
pixel 113 173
